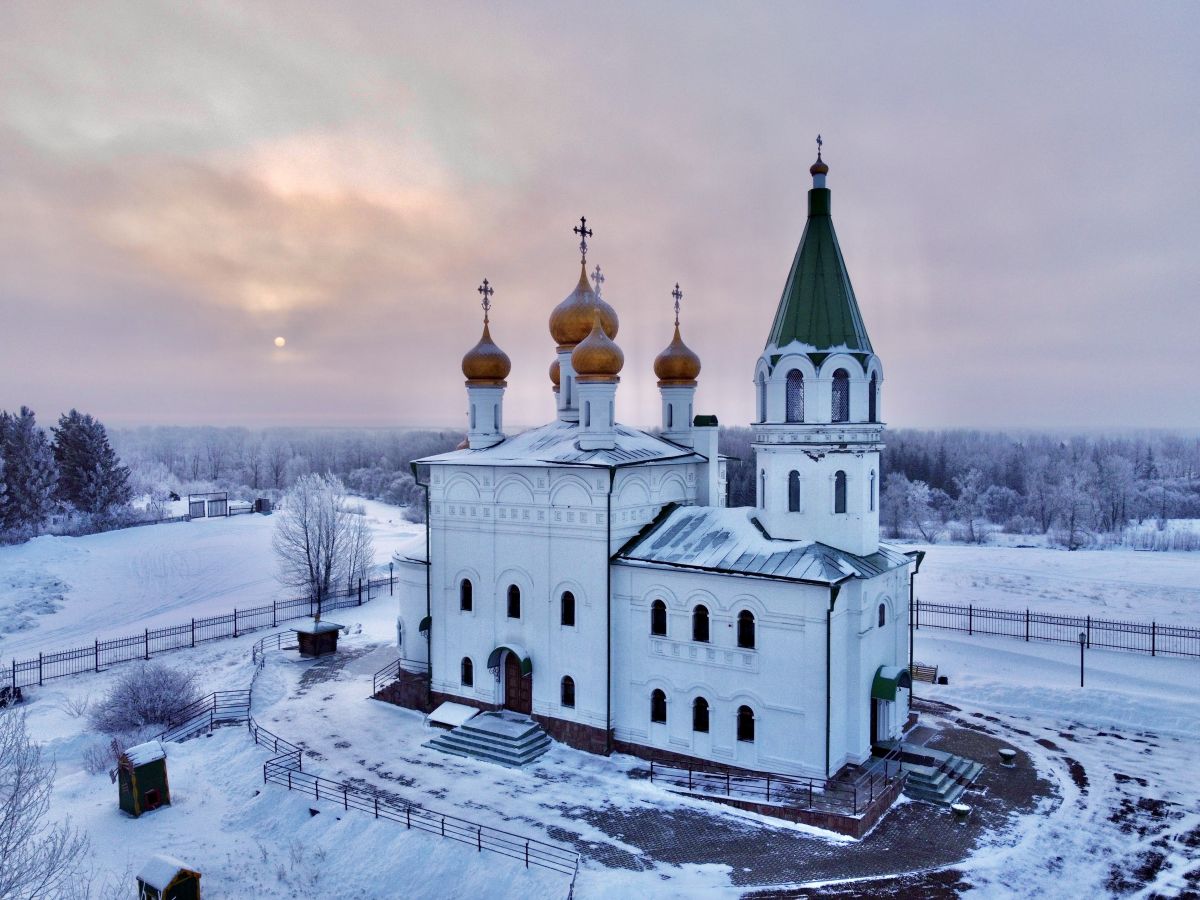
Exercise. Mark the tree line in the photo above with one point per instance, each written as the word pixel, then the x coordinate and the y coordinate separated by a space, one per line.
pixel 72 473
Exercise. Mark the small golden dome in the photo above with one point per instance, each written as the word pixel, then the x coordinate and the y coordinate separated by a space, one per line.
pixel 596 357
pixel 554 373
pixel 464 444
pixel 819 167
pixel 571 320
pixel 485 363
pixel 677 364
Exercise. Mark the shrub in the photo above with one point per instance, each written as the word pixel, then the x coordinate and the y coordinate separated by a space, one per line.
pixel 144 695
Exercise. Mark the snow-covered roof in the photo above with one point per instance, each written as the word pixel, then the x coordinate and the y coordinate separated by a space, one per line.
pixel 557 443
pixel 160 870
pixel 729 540
pixel 412 550
pixel 312 626
pixel 146 753
pixel 452 714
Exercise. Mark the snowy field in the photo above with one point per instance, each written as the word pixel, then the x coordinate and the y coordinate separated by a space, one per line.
pixel 61 592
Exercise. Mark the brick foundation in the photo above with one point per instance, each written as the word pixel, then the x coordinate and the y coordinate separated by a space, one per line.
pixel 575 734
pixel 410 690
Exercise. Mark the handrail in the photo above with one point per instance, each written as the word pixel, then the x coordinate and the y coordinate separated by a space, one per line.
pixel 391 672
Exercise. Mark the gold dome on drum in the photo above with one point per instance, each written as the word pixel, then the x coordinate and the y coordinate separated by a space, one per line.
pixel 485 363
pixel 597 357
pixel 555 374
pixel 678 364
pixel 571 320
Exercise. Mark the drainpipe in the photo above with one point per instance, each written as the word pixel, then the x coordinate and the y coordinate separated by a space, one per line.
pixel 833 595
pixel 917 559
pixel 428 589
pixel 608 729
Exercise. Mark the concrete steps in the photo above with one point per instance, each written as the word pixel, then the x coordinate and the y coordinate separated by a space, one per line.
pixel 504 738
pixel 943 780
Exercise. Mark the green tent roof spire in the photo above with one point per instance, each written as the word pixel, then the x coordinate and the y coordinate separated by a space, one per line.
pixel 818 306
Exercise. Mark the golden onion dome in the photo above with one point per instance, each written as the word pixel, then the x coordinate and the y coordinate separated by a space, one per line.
pixel 596 357
pixel 819 167
pixel 555 374
pixel 485 363
pixel 464 444
pixel 571 320
pixel 678 364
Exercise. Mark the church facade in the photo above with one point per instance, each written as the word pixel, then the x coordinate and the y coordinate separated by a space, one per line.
pixel 590 575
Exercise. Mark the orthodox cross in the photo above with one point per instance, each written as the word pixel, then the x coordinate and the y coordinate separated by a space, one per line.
pixel 819 143
pixel 678 295
pixel 597 279
pixel 584 233
pixel 486 291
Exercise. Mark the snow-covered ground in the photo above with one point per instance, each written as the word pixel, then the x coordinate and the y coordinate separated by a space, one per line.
pixel 60 592
pixel 1115 584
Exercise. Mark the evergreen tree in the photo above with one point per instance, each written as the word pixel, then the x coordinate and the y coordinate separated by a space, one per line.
pixel 90 477
pixel 30 473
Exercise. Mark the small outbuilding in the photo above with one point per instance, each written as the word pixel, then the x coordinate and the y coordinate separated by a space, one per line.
pixel 166 878
pixel 142 778
pixel 316 638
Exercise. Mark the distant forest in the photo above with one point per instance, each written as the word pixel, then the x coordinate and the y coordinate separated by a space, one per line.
pixel 1069 490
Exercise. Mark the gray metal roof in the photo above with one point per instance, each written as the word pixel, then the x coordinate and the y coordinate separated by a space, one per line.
pixel 558 443
pixel 727 540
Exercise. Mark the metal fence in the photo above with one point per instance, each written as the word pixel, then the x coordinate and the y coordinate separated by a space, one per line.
pixel 1155 638
pixel 101 654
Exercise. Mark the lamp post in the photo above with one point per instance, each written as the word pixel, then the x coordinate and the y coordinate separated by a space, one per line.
pixel 1082 641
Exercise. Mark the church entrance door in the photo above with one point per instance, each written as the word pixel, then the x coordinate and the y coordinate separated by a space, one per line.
pixel 518 689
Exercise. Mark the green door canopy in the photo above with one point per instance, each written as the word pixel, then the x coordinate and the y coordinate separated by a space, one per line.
pixel 426 624
pixel 887 679
pixel 517 651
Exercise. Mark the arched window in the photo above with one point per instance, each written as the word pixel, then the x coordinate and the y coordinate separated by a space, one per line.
pixel 658 618
pixel 670 415
pixel 872 496
pixel 472 416
pixel 745 724
pixel 587 413
pixel 700 715
pixel 795 396
pixel 658 706
pixel 466 595
pixel 762 489
pixel 568 691
pixel 882 614
pixel 873 399
pixel 700 624
pixel 468 672
pixel 514 602
pixel 745 630
pixel 495 418
pixel 568 609
pixel 793 491
pixel 762 397
pixel 839 492
pixel 841 396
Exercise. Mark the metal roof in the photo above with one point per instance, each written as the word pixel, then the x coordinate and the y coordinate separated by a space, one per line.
pixel 731 541
pixel 818 307
pixel 557 443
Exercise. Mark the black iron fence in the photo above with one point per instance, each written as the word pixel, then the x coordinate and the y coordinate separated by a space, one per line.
pixel 391 672
pixel 852 797
pixel 1155 638
pixel 101 654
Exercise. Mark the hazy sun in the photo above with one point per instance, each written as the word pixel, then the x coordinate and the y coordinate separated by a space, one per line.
pixel 279 342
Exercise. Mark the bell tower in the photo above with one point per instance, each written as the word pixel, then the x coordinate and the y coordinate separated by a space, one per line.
pixel 818 428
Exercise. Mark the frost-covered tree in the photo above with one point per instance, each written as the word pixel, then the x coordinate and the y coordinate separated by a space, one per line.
pixel 969 507
pixel 38 858
pixel 145 695
pixel 30 473
pixel 320 542
pixel 90 477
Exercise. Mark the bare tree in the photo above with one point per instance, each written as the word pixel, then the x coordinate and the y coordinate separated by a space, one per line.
pixel 38 858
pixel 319 541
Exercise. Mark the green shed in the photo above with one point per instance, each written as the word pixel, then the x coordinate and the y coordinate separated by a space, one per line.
pixel 142 777
pixel 166 878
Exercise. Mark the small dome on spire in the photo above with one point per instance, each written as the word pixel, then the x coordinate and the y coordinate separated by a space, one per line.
pixel 596 357
pixel 819 167
pixel 485 363
pixel 678 364
pixel 571 320
pixel 555 374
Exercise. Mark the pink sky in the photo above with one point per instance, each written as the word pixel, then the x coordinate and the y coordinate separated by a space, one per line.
pixel 1014 187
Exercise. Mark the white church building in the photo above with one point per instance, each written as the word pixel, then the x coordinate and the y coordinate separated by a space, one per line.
pixel 590 574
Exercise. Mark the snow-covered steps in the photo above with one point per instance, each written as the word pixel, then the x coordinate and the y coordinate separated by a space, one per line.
pixel 504 738
pixel 943 779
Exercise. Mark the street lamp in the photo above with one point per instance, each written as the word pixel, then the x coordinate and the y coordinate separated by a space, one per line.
pixel 1082 640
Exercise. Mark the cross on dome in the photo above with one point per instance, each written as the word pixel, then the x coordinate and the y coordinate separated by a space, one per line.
pixel 584 233
pixel 678 295
pixel 486 291
pixel 819 143
pixel 597 279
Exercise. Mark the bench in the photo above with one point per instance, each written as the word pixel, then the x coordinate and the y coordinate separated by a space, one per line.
pixel 921 672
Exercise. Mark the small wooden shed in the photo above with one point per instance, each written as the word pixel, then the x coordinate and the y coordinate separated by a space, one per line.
pixel 316 638
pixel 166 878
pixel 142 778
